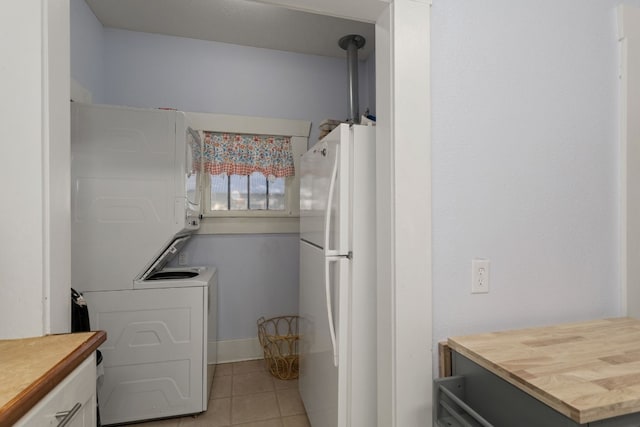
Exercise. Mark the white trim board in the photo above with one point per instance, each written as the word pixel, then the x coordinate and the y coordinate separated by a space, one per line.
pixel 249 225
pixel 403 148
pixel 629 40
pixel 246 124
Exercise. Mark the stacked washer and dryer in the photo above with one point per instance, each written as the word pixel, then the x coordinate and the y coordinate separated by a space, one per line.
pixel 135 202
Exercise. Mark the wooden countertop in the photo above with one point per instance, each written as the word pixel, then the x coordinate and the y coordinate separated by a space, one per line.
pixel 31 367
pixel 588 371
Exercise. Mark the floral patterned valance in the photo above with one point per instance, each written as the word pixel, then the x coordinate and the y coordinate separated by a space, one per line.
pixel 237 154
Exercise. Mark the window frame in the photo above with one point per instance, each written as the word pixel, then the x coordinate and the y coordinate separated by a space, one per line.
pixel 253 221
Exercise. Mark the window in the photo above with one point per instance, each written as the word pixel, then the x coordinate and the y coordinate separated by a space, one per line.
pixel 246 192
pixel 247 172
pixel 244 201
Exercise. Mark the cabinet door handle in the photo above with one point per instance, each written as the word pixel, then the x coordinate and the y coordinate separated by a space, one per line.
pixel 67 415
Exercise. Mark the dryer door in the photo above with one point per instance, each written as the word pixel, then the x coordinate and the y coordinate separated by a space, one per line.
pixel 165 256
pixel 188 152
pixel 193 154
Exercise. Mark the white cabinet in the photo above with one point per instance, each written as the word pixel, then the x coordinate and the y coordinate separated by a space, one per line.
pixel 71 403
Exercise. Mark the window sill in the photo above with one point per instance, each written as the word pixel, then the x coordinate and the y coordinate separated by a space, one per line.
pixel 249 225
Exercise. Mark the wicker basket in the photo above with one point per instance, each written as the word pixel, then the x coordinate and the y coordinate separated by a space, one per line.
pixel 279 339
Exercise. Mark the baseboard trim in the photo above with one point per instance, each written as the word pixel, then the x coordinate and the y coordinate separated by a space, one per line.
pixel 234 350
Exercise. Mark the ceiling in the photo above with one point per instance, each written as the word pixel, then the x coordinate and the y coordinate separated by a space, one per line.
pixel 302 26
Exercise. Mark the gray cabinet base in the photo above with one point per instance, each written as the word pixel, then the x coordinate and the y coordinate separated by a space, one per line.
pixel 476 397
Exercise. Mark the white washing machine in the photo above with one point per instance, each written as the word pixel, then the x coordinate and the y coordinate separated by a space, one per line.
pixel 155 356
pixel 135 200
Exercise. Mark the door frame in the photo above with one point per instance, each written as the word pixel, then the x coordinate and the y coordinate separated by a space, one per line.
pixel 403 185
pixel 629 95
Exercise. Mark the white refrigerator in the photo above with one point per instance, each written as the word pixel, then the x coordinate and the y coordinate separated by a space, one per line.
pixel 337 279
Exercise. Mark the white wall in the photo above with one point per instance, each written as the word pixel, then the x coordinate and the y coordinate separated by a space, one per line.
pixel 150 70
pixel 22 81
pixel 34 220
pixel 87 46
pixel 525 162
pixel 257 276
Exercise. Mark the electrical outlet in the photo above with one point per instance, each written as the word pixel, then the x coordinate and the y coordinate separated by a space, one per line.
pixel 183 258
pixel 479 276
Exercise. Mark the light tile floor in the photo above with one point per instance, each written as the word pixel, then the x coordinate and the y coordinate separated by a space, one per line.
pixel 244 394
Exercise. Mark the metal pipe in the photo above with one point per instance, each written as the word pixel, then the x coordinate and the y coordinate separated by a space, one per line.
pixel 351 43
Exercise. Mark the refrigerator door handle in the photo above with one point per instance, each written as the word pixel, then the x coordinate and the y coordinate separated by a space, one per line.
pixel 332 330
pixel 327 214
